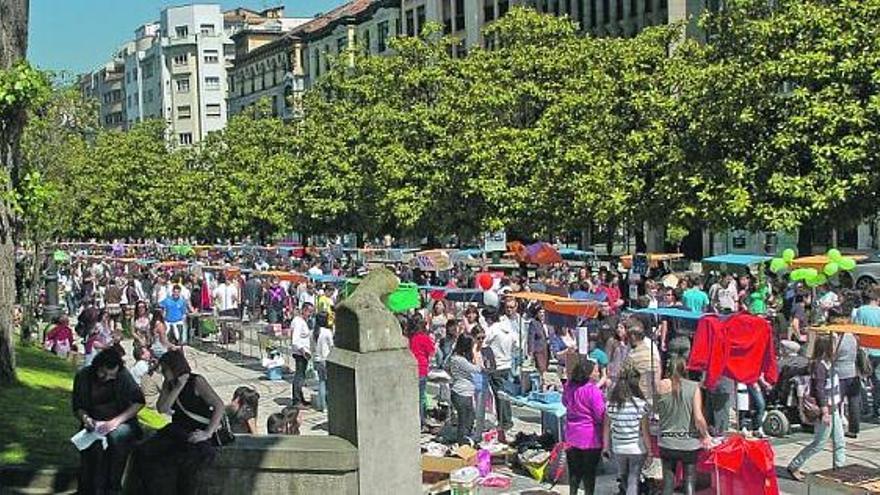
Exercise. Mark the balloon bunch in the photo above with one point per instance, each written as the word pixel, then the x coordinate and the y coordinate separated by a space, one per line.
pixel 811 276
pixel 485 281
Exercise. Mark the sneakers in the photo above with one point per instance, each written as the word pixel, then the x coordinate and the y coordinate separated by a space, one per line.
pixel 796 474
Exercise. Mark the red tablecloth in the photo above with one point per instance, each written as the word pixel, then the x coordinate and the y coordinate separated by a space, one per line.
pixel 739 465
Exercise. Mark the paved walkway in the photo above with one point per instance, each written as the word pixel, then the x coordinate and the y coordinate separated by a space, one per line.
pixel 227 369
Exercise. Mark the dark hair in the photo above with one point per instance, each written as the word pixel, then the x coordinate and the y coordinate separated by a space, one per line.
pixel 291 419
pixel 322 319
pixel 175 362
pixel 873 294
pixel 635 329
pixel 248 400
pixel 823 349
pixel 626 388
pixel 464 347
pixel 157 316
pixel 581 370
pixel 107 359
pixel 275 424
pixel 490 314
pixel 451 324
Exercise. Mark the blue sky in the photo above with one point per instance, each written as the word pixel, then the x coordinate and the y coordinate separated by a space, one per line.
pixel 79 35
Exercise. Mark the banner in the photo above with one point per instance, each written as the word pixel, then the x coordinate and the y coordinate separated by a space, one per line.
pixel 434 260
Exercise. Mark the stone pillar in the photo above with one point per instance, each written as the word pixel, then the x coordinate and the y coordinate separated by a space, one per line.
pixel 51 310
pixel 373 393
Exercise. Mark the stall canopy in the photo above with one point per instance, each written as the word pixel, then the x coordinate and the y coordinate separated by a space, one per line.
pixel 818 262
pixel 654 259
pixel 868 336
pixel 539 253
pixel 738 263
pixel 682 314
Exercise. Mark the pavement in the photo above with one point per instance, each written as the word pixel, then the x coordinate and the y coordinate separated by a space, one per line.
pixel 227 368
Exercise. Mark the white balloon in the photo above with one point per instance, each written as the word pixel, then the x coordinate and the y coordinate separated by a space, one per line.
pixel 490 298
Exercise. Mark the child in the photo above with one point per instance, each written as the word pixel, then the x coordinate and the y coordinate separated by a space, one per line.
pixel 242 411
pixel 275 424
pixel 59 340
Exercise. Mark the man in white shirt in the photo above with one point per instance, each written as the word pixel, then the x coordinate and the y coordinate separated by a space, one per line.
pixel 307 296
pixel 225 297
pixel 302 350
pixel 503 343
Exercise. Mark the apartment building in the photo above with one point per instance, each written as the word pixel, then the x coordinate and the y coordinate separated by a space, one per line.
pixel 107 86
pixel 281 69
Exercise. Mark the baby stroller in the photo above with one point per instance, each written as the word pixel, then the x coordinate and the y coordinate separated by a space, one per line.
pixel 783 400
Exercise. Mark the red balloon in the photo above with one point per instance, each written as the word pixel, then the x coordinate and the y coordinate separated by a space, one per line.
pixel 485 281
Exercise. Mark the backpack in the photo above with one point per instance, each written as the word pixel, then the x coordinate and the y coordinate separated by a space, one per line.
pixel 863 363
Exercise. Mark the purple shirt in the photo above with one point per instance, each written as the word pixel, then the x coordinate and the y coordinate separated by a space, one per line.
pixel 585 413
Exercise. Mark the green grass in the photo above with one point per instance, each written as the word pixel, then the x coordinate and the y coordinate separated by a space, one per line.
pixel 36 421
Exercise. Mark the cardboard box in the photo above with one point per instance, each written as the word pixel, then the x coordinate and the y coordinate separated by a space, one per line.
pixel 464 456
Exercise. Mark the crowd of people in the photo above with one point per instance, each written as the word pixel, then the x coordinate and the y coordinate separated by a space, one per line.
pixel 626 385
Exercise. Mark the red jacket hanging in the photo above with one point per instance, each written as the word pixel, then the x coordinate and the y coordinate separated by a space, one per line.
pixel 740 347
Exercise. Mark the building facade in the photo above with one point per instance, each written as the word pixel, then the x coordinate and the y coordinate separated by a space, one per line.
pixel 107 86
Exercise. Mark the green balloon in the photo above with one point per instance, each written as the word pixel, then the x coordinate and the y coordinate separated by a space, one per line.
pixel 799 274
pixel 834 254
pixel 831 268
pixel 777 265
pixel 821 279
pixel 810 273
pixel 846 264
pixel 788 255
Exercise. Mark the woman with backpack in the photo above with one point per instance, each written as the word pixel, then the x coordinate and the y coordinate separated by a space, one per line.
pixel 822 407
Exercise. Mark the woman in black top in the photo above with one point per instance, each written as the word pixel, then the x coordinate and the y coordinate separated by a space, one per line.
pixel 106 399
pixel 168 463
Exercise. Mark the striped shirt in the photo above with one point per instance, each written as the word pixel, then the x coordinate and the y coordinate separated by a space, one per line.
pixel 626 421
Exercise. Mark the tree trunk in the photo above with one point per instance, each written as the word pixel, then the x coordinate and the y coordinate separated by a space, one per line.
pixel 32 294
pixel 13 47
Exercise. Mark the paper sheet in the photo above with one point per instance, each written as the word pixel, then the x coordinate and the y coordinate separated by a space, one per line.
pixel 84 439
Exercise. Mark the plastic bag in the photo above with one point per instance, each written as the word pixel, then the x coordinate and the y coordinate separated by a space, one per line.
pixel 484 462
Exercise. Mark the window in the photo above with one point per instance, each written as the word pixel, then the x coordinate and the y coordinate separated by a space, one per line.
pixel 184 112
pixel 185 138
pixel 180 59
pixel 317 62
pixel 212 109
pixel 459 15
pixel 593 13
pixel 619 13
pixel 410 23
pixel 181 31
pixel 633 7
pixel 664 4
pixel 420 18
pixel 383 36
pixel 341 44
pixel 212 82
pixel 606 11
pixel 446 15
pixel 148 69
pixel 182 85
pixel 212 57
pixel 503 7
pixel 128 100
pixel 649 5
pixel 207 29
pixel 367 40
pixel 488 10
pixel 149 95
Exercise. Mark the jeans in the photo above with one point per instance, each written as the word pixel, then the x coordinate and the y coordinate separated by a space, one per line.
pixel 464 409
pixel 101 470
pixel 852 390
pixel 629 469
pixel 321 370
pixel 582 464
pixel 718 404
pixel 423 384
pixel 821 432
pixel 503 411
pixel 690 476
pixel 178 331
pixel 481 396
pixel 759 405
pixel 299 378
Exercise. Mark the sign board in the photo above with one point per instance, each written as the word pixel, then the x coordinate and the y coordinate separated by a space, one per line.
pixel 434 260
pixel 495 241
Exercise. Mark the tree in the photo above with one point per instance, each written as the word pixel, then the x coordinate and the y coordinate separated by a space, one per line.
pixel 18 85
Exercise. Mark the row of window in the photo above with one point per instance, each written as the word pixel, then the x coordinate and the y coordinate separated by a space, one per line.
pixel 209 56
pixel 183 30
pixel 211 83
pixel 184 112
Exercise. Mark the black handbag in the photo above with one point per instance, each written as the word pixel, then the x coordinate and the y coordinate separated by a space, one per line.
pixel 223 435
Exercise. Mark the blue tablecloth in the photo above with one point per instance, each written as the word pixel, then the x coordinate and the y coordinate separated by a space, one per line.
pixel 556 409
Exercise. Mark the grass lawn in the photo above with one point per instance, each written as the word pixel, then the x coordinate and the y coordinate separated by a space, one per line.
pixel 35 416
